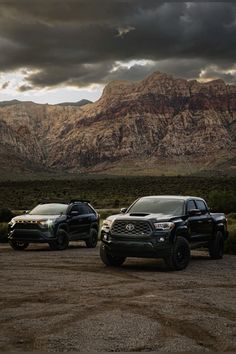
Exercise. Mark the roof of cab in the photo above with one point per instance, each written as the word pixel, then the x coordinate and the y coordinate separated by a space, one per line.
pixel 180 197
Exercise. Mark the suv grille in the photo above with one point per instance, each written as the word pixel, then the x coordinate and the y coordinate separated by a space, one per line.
pixel 26 225
pixel 131 228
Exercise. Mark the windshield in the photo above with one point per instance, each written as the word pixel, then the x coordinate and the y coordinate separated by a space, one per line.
pixel 158 206
pixel 49 209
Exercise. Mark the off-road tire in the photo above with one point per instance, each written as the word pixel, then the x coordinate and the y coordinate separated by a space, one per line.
pixel 62 241
pixel 216 246
pixel 17 245
pixel 110 260
pixel 92 241
pixel 179 255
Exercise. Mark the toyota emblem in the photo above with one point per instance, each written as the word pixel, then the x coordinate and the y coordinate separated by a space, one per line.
pixel 129 227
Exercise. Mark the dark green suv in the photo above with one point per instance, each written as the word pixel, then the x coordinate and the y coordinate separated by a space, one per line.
pixel 55 224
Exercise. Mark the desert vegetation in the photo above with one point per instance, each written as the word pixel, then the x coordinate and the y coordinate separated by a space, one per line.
pixel 116 192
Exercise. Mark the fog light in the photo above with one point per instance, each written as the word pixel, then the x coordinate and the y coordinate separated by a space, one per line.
pixel 105 237
pixel 161 239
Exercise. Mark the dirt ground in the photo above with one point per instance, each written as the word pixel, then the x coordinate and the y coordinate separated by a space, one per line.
pixel 69 301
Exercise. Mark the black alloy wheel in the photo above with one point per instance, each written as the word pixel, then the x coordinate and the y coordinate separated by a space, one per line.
pixel 18 245
pixel 109 259
pixel 179 256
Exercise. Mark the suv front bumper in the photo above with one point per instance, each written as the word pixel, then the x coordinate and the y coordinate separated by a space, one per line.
pixel 31 236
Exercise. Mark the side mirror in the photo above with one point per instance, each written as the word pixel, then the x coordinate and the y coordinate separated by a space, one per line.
pixel 123 210
pixel 195 212
pixel 74 213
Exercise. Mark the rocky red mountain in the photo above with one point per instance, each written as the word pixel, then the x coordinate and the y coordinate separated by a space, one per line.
pixel 158 125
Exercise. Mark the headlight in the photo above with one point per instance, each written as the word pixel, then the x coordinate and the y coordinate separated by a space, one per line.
pixel 164 226
pixel 46 223
pixel 107 223
pixel 11 223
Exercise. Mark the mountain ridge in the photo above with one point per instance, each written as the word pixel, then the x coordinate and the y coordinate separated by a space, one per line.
pixel 162 123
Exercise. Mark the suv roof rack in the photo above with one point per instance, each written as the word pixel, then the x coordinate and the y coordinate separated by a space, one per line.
pixel 79 201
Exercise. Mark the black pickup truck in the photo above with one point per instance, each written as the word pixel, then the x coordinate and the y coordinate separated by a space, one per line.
pixel 165 227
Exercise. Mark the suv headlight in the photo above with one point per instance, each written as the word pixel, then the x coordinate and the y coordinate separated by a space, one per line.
pixel 164 226
pixel 46 223
pixel 11 223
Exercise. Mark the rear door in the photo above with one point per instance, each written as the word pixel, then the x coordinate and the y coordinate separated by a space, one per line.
pixel 82 228
pixel 79 221
pixel 194 222
pixel 206 225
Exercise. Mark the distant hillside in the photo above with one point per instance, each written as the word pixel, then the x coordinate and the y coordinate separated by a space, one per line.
pixel 10 103
pixel 160 125
pixel 78 103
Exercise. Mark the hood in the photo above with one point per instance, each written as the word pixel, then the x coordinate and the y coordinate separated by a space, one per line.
pixel 141 216
pixel 28 217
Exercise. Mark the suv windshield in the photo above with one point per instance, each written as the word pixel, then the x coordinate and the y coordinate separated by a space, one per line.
pixel 49 209
pixel 158 206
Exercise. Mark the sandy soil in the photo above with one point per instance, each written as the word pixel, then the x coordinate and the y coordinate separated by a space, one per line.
pixel 69 301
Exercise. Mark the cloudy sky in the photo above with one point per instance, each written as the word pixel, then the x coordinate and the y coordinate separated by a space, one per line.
pixel 65 50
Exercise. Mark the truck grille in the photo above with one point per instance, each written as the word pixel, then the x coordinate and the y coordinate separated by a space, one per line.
pixel 131 228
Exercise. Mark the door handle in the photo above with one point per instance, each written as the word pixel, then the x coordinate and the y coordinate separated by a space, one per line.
pixel 200 221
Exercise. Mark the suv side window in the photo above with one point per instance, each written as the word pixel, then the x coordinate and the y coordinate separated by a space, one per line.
pixel 190 205
pixel 88 209
pixel 201 206
pixel 81 208
pixel 75 208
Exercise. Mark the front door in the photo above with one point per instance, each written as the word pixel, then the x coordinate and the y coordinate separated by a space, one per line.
pixel 80 221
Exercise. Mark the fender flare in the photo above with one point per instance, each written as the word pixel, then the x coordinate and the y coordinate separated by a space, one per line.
pixel 221 227
pixel 94 225
pixel 62 227
pixel 181 231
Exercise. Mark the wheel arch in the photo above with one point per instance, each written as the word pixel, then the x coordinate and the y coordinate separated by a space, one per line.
pixel 181 231
pixel 221 227
pixel 95 226
pixel 62 227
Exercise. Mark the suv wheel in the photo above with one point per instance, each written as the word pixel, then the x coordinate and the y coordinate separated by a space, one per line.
pixel 109 259
pixel 216 246
pixel 17 245
pixel 91 242
pixel 179 256
pixel 61 242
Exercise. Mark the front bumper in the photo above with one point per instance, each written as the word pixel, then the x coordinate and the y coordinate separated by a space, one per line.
pixel 143 247
pixel 31 236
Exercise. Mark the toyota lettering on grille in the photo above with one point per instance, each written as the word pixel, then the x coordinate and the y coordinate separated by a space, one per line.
pixel 130 227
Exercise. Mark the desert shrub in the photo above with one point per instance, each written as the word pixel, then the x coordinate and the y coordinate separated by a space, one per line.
pixel 230 245
pixel 104 213
pixel 3 232
pixel 231 217
pixel 6 215
pixel 222 201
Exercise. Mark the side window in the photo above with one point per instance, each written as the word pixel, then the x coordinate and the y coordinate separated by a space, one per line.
pixel 88 209
pixel 190 205
pixel 82 209
pixel 201 206
pixel 75 208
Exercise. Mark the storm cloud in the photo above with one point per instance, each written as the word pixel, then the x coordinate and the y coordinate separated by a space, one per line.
pixel 79 43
